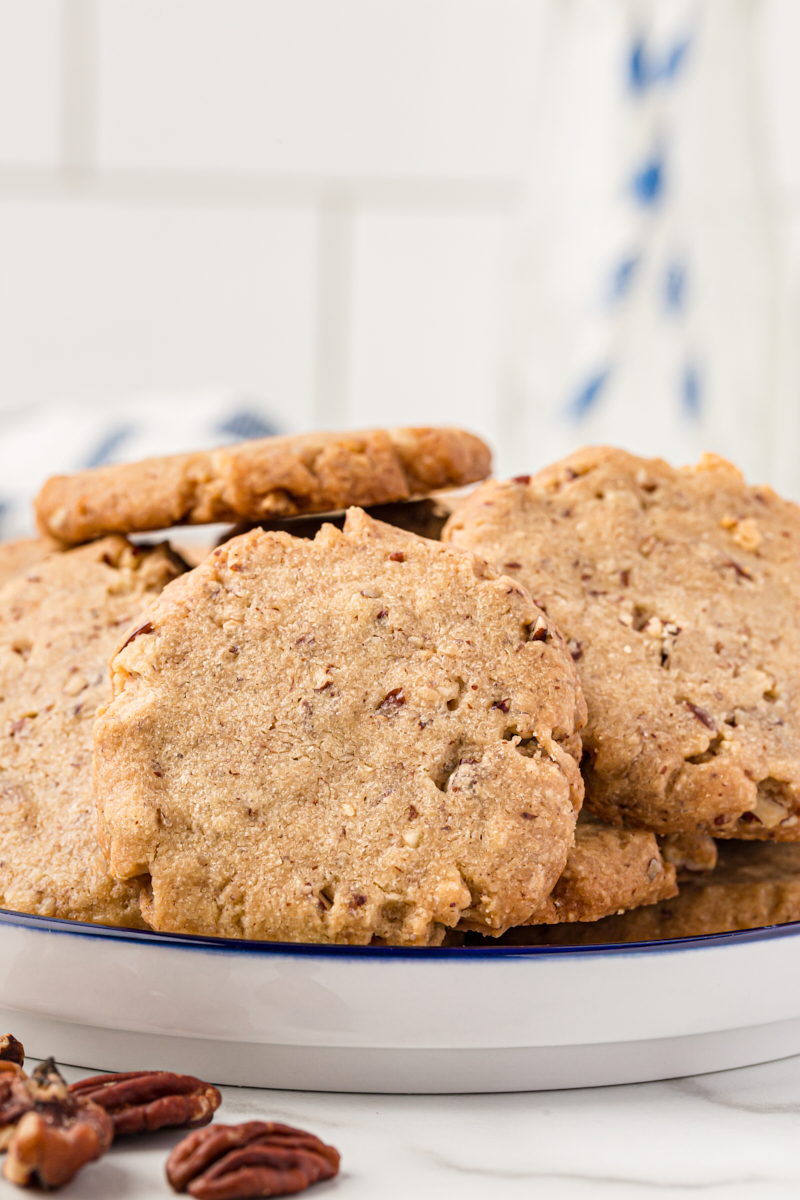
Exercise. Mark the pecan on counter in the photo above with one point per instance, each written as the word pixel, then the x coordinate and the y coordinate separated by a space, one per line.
pixel 54 1133
pixel 11 1050
pixel 258 1158
pixel 14 1100
pixel 143 1101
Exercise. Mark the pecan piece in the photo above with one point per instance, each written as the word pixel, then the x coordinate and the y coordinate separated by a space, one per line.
pixel 11 1050
pixel 142 1101
pixel 258 1158
pixel 54 1134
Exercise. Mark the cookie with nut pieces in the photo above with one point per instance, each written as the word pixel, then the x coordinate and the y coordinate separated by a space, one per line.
pixel 271 477
pixel 679 594
pixel 753 885
pixel 367 735
pixel 59 623
pixel 608 870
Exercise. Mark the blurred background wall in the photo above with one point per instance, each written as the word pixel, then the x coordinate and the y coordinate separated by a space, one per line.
pixel 552 221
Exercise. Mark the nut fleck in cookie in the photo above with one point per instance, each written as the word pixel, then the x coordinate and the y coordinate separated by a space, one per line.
pixel 16 557
pixel 271 477
pixel 364 735
pixel 689 851
pixel 679 594
pixel 59 624
pixel 754 884
pixel 607 869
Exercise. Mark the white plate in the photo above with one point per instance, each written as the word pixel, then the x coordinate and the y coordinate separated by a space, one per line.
pixel 382 1019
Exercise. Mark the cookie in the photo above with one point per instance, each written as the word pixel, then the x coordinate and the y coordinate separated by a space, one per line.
pixel 754 884
pixel 607 869
pixel 16 557
pixel 679 594
pixel 257 480
pixel 367 735
pixel 59 623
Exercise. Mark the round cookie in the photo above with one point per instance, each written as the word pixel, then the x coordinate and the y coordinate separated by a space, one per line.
pixel 679 594
pixel 753 885
pixel 59 624
pixel 608 870
pixel 257 480
pixel 364 735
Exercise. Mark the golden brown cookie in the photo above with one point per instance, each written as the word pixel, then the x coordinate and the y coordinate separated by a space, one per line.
pixel 679 594
pixel 271 477
pixel 364 735
pixel 16 557
pixel 59 624
pixel 607 869
pixel 754 884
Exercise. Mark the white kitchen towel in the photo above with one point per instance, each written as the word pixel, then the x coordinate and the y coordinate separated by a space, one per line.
pixel 645 310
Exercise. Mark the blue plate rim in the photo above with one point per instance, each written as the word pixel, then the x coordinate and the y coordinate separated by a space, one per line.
pixel 197 942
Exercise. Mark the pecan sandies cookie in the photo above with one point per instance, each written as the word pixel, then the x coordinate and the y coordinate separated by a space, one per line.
pixel 59 623
pixel 754 884
pixel 262 479
pixel 679 594
pixel 608 870
pixel 367 735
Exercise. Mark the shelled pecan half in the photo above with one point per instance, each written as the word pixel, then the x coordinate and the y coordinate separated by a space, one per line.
pixel 54 1134
pixel 258 1158
pixel 11 1050
pixel 142 1101
pixel 14 1101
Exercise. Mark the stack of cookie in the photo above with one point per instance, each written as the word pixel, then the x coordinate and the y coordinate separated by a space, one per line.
pixel 679 594
pixel 373 725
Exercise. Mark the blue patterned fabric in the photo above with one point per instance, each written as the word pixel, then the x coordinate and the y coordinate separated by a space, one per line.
pixel 653 68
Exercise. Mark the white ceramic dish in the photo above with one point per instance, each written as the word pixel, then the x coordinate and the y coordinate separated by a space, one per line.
pixel 380 1019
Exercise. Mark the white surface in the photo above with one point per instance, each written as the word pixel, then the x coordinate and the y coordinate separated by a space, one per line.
pixel 730 1136
pixel 420 1022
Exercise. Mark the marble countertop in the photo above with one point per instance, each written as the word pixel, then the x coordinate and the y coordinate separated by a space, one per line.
pixel 728 1136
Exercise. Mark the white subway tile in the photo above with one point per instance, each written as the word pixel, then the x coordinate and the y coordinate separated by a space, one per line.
pixel 426 336
pixel 30 81
pixel 371 87
pixel 103 300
